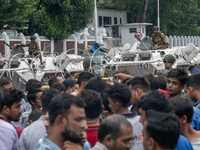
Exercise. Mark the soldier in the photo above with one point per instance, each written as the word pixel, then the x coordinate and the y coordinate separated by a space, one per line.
pixel 158 39
pixel 169 60
pixel 86 65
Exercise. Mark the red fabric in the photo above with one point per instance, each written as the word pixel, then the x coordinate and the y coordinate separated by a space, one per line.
pixel 18 129
pixel 164 92
pixel 92 134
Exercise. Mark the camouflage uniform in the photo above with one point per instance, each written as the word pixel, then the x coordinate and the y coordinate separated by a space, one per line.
pixel 32 48
pixel 159 39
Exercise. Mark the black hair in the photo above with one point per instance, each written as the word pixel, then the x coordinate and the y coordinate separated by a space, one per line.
pixel 53 80
pixel 182 106
pixel 84 76
pixel 104 97
pixel 154 84
pixel 11 97
pixel 162 82
pixel 1 100
pixel 194 81
pixel 31 96
pixel 97 84
pixel 5 81
pixel 47 96
pixel 60 87
pixel 112 126
pixel 69 83
pixel 33 84
pixel 139 82
pixel 155 100
pixel 34 115
pixel 120 92
pixel 163 128
pixel 61 103
pixel 180 74
pixel 93 103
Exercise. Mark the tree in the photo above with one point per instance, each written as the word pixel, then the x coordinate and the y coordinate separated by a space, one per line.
pixel 58 19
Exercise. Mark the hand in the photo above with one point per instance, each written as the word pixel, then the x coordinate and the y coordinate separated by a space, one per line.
pixel 156 45
pixel 68 145
pixel 122 77
pixel 15 45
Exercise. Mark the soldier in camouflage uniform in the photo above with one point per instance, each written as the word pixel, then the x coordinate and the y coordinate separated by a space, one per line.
pixel 158 39
pixel 33 47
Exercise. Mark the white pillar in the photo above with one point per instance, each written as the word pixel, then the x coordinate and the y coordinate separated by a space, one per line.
pixel 21 35
pixel 170 41
pixel 38 40
pixel 182 41
pixel 175 41
pixel 52 46
pixel 76 45
pixel 6 38
pixel 64 45
pixel 86 42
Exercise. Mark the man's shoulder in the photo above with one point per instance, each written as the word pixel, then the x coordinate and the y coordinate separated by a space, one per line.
pixel 7 126
pixel 45 144
pixel 152 35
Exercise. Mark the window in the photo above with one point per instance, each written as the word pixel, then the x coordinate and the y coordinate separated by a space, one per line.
pixel 115 20
pixel 107 20
pixel 120 20
pixel 132 30
pixel 100 21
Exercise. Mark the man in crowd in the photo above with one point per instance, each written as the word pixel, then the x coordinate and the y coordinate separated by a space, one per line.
pixel 31 134
pixel 34 98
pixel 83 78
pixel 67 122
pixel 183 109
pixel 86 65
pixel 192 91
pixel 93 110
pixel 70 85
pixel 169 60
pixel 11 107
pixel 139 87
pixel 161 131
pixel 119 96
pixel 176 80
pixel 54 80
pixel 115 133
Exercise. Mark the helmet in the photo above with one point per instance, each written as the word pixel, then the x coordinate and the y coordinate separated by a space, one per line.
pixel 155 28
pixel 169 58
pixel 32 37
pixel 86 63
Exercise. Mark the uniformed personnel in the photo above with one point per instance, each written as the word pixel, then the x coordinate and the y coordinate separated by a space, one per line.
pixel 86 65
pixel 158 39
pixel 169 60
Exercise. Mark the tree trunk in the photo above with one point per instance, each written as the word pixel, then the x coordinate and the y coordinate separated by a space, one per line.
pixel 190 31
pixel 144 11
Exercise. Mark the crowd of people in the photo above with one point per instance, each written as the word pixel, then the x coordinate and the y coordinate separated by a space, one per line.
pixel 139 113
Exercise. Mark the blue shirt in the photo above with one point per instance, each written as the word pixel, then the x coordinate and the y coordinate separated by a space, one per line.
pixel 46 144
pixel 196 119
pixel 183 144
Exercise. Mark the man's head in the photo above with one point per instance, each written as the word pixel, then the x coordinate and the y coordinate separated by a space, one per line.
pixel 86 65
pixel 176 80
pixel 119 96
pixel 46 98
pixel 83 78
pixel 93 82
pixel 169 60
pixel 67 117
pixel 11 104
pixel 192 87
pixel 160 131
pixel 55 79
pixel 6 84
pixel 93 102
pixel 155 100
pixel 32 38
pixel 155 29
pixel 139 87
pixel 34 98
pixel 70 85
pixel 34 115
pixel 116 133
pixel 183 109
pixel 60 87
pixel 33 84
pixel 154 84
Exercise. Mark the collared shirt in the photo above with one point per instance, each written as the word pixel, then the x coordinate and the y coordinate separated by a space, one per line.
pixel 25 116
pixel 46 144
pixel 99 146
pixel 8 136
pixel 32 134
pixel 196 119
pixel 197 104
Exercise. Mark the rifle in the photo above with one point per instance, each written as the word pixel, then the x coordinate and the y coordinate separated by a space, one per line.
pixel 8 45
